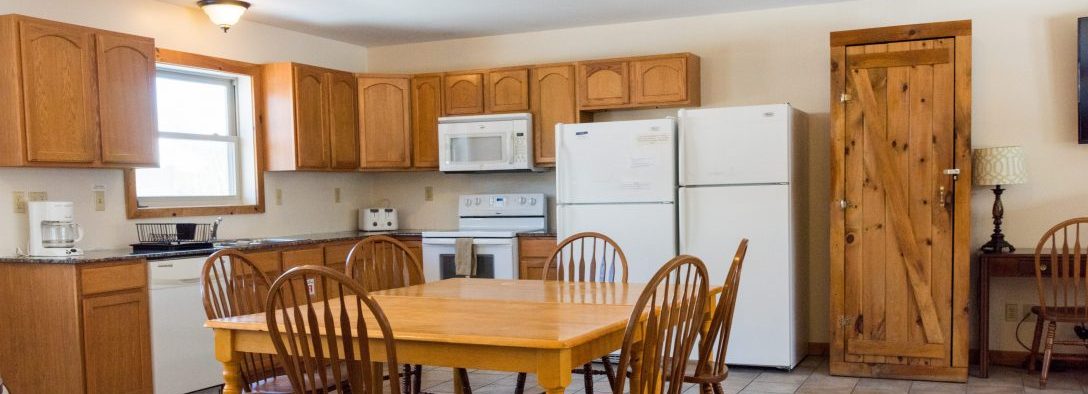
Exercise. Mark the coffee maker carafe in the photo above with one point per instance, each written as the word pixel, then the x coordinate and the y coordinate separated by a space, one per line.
pixel 52 232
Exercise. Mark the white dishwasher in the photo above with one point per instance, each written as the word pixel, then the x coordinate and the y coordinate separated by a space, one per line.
pixel 182 350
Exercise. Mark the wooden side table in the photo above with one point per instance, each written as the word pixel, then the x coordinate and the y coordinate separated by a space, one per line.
pixel 1009 265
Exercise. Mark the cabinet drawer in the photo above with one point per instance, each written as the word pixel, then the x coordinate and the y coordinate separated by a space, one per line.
pixel 267 262
pixel 337 253
pixel 295 258
pixel 112 278
pixel 536 247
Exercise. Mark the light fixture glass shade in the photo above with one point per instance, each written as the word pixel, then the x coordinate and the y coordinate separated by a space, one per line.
pixel 223 13
pixel 1003 165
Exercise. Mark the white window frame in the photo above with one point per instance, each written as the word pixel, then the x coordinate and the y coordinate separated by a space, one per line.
pixel 236 175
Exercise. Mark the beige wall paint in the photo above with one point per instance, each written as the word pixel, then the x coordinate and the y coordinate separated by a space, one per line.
pixel 307 197
pixel 1024 93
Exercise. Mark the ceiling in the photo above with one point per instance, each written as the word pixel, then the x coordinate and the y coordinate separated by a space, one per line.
pixel 386 22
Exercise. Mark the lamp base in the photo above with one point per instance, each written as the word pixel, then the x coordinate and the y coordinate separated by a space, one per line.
pixel 997 242
pixel 997 245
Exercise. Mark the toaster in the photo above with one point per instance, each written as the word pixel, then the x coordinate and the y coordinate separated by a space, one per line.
pixel 378 219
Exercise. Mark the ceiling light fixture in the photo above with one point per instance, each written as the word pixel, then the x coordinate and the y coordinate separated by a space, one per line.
pixel 223 13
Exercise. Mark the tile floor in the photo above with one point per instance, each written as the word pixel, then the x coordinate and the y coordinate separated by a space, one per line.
pixel 810 376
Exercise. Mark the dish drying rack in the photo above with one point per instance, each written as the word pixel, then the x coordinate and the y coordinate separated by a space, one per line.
pixel 157 237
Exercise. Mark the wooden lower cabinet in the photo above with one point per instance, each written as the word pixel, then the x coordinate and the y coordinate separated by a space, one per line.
pixel 532 253
pixel 66 340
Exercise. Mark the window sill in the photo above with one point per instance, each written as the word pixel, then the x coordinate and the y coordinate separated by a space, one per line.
pixel 167 212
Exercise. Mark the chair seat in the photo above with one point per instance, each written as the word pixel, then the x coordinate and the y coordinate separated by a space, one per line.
pixel 281 384
pixel 1071 314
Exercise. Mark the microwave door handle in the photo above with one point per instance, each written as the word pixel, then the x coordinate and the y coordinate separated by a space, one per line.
pixel 508 147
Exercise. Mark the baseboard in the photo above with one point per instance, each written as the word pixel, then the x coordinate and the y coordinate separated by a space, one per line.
pixel 1019 359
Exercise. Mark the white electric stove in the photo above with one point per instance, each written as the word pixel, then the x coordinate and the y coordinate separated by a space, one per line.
pixel 493 222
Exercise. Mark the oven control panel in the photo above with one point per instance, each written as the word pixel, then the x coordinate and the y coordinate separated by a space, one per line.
pixel 519 204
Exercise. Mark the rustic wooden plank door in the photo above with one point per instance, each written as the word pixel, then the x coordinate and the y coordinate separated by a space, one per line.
pixel 898 218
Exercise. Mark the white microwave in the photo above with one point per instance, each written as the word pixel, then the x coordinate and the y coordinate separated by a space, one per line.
pixel 502 142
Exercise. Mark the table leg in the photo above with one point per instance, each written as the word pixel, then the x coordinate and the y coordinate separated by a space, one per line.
pixel 459 376
pixel 553 370
pixel 232 369
pixel 983 321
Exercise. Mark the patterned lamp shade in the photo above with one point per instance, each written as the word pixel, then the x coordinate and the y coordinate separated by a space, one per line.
pixel 1003 165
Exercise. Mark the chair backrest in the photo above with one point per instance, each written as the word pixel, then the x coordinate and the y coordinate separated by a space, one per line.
pixel 586 257
pixel 316 330
pixel 715 342
pixel 662 329
pixel 1063 280
pixel 381 262
pixel 232 285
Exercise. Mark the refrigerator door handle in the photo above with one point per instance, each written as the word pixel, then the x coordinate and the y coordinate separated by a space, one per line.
pixel 683 220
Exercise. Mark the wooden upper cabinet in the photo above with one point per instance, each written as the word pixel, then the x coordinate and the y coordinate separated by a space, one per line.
pixel 343 120
pixel 311 118
pixel 311 114
pixel 126 99
pixel 660 80
pixel 603 84
pixel 426 108
pixel 58 89
pixel 464 93
pixel 384 121
pixel 508 90
pixel 552 92
pixel 637 82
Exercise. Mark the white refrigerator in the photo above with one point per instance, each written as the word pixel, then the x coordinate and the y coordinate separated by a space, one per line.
pixel 619 179
pixel 739 178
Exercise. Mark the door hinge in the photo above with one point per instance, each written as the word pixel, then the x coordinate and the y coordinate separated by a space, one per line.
pixel 845 97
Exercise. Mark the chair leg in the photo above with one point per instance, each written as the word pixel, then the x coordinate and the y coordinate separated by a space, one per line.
pixel 520 387
pixel 1048 350
pixel 609 372
pixel 587 374
pixel 417 379
pixel 406 380
pixel 1035 344
pixel 718 388
pixel 466 387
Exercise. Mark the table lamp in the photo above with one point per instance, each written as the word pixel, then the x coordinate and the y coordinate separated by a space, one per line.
pixel 1003 165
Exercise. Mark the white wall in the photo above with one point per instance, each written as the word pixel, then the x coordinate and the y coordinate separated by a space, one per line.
pixel 307 197
pixel 1024 93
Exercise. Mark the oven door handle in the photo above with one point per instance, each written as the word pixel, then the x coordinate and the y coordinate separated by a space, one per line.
pixel 475 241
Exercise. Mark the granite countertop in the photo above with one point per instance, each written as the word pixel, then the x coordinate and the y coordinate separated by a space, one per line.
pixel 125 254
pixel 539 233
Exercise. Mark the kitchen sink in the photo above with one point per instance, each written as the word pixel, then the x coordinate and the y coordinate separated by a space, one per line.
pixel 256 241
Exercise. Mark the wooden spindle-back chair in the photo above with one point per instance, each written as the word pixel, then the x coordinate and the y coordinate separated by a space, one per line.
pixel 711 370
pixel 1062 282
pixel 663 327
pixel 380 263
pixel 232 285
pixel 316 318
pixel 585 257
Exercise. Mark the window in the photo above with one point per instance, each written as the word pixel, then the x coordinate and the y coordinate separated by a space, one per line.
pixel 207 143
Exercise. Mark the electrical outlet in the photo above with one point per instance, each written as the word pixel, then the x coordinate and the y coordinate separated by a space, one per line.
pixel 20 201
pixel 336 195
pixel 38 196
pixel 428 193
pixel 279 196
pixel 1012 312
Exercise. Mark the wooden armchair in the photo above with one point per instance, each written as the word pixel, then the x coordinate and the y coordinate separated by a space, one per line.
pixel 1063 287
pixel 711 370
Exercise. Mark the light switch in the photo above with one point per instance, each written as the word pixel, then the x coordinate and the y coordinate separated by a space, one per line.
pixel 100 200
pixel 20 201
pixel 428 193
pixel 336 195
pixel 279 196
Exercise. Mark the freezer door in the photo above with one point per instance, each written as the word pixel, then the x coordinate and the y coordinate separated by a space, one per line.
pixel 712 221
pixel 735 145
pixel 633 161
pixel 645 232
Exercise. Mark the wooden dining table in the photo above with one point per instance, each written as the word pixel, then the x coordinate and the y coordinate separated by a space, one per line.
pixel 534 326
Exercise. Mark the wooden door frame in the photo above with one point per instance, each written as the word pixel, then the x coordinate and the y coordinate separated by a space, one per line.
pixel 960 31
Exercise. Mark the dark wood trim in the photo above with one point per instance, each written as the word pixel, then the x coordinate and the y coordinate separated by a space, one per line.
pixel 132 209
pixel 922 31
pixel 1018 359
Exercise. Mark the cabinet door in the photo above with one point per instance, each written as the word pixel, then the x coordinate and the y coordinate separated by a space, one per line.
pixel 117 343
pixel 58 89
pixel 415 247
pixel 426 108
pixel 383 116
pixel 343 121
pixel 552 98
pixel 661 80
pixel 603 83
pixel 464 94
pixel 508 90
pixel 532 253
pixel 126 99
pixel 311 123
